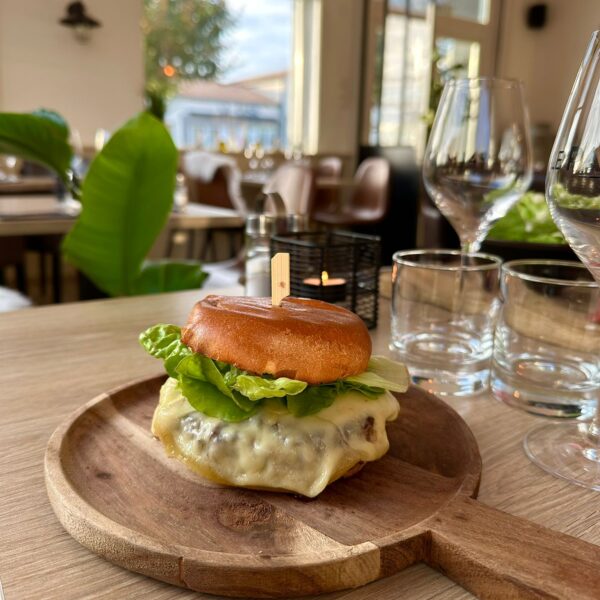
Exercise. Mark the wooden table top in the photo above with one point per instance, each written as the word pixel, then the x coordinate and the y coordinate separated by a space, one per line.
pixel 46 214
pixel 203 216
pixel 56 358
pixel 28 184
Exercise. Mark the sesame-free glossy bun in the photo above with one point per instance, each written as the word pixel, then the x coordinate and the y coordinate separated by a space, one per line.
pixel 302 339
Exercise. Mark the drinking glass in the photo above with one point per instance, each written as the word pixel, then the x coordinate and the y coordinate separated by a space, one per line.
pixel 571 450
pixel 443 315
pixel 478 160
pixel 547 339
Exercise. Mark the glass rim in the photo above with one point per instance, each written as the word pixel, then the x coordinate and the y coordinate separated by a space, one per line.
pixel 491 81
pixel 494 262
pixel 509 268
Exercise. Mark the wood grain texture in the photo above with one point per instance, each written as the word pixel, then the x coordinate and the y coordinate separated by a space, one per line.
pixel 51 358
pixel 280 277
pixel 29 184
pixel 193 216
pixel 115 491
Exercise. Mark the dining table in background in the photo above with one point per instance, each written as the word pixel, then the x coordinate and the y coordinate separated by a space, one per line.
pixel 47 214
pixel 54 359
pixel 28 184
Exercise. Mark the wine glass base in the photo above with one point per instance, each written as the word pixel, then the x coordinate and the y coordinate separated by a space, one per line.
pixel 566 450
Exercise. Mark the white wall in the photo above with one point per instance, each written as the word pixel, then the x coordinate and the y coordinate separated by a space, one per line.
pixel 547 59
pixel 325 87
pixel 340 70
pixel 97 84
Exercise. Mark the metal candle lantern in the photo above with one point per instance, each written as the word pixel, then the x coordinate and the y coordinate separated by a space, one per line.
pixel 338 267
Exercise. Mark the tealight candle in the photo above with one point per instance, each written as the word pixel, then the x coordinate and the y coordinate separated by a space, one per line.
pixel 330 289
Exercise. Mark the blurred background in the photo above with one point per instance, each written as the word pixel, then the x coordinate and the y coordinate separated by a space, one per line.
pixel 255 86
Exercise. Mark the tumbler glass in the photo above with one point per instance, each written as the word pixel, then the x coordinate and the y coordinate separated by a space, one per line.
pixel 443 316
pixel 547 347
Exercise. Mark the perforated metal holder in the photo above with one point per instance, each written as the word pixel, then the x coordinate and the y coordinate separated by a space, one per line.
pixel 351 260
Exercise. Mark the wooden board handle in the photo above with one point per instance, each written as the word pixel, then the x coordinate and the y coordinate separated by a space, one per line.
pixel 496 555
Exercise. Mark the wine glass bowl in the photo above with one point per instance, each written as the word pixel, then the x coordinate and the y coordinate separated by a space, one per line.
pixel 573 179
pixel 478 160
pixel 571 451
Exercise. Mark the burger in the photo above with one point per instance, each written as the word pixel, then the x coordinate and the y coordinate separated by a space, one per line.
pixel 284 398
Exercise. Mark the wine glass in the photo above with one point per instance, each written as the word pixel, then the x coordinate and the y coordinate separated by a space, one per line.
pixel 478 161
pixel 571 450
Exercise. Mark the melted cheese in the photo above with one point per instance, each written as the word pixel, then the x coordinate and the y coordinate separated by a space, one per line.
pixel 273 449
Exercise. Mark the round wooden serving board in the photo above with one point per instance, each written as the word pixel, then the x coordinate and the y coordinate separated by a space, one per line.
pixel 115 491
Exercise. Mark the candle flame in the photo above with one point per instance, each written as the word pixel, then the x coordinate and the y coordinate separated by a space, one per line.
pixel 324 277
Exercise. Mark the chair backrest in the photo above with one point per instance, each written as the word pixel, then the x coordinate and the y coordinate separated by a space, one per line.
pixel 329 166
pixel 212 192
pixel 371 195
pixel 295 183
pixel 213 180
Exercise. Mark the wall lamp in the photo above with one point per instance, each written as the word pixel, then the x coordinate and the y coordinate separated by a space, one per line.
pixel 79 21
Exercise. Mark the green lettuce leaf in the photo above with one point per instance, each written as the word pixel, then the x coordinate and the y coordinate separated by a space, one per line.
pixel 197 366
pixel 207 399
pixel 382 373
pixel 529 220
pixel 257 388
pixel 370 392
pixel 312 400
pixel 202 368
pixel 225 392
pixel 164 341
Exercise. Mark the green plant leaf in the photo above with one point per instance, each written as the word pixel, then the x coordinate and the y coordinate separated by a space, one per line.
pixel 169 276
pixel 56 118
pixel 42 137
pixel 126 200
pixel 529 220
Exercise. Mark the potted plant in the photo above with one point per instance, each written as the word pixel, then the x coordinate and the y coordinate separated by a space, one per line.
pixel 126 197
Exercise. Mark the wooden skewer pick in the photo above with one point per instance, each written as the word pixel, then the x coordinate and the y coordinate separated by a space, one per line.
pixel 280 277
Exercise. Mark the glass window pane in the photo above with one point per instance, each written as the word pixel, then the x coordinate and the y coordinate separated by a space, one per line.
pixel 241 101
pixel 413 7
pixel 470 10
pixel 457 58
pixel 405 89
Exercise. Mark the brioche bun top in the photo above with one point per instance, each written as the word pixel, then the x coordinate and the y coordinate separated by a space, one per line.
pixel 309 340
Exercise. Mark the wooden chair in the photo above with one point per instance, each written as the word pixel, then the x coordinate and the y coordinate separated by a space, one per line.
pixel 12 254
pixel 370 198
pixel 329 166
pixel 213 180
pixel 222 190
pixel 295 183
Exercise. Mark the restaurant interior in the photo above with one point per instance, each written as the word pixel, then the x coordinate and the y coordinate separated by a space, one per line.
pixel 429 167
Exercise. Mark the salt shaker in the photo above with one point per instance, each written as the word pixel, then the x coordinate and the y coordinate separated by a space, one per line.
pixel 260 227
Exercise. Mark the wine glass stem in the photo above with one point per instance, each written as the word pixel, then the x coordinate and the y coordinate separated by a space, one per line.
pixel 594 429
pixel 468 247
